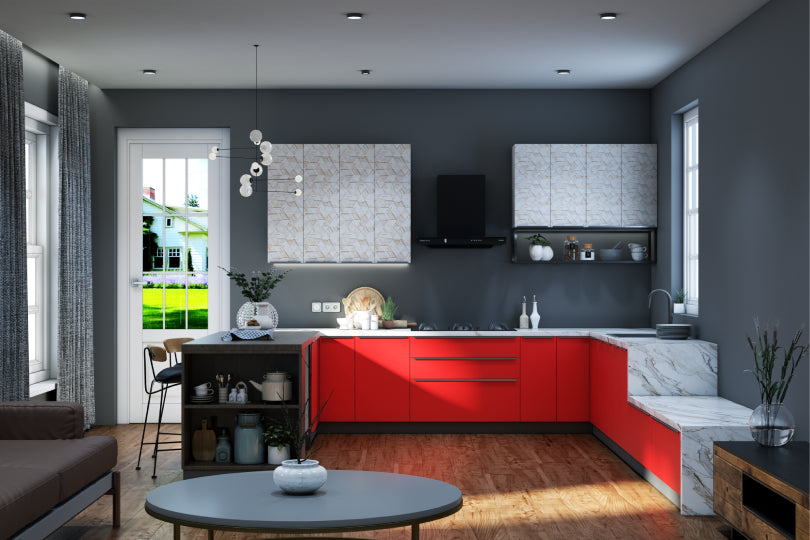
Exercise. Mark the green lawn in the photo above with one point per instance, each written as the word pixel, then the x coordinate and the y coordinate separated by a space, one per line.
pixel 175 309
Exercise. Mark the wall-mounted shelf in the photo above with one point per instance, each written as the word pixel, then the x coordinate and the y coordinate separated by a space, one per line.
pixel 600 237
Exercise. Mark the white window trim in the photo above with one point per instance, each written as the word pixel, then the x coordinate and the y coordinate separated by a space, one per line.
pixel 690 118
pixel 45 126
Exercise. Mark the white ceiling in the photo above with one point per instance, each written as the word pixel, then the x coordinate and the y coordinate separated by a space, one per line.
pixel 406 43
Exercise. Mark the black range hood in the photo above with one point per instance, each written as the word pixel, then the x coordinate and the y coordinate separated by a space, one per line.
pixel 461 213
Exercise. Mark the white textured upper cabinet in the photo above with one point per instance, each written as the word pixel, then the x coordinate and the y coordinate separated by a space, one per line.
pixel 604 185
pixel 568 184
pixel 531 189
pixel 639 185
pixel 356 205
pixel 594 185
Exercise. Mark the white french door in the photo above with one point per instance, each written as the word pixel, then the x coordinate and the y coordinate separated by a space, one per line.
pixel 172 235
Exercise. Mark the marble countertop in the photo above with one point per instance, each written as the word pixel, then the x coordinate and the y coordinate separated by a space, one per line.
pixel 689 412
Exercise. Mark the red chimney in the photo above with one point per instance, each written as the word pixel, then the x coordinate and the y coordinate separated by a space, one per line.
pixel 149 192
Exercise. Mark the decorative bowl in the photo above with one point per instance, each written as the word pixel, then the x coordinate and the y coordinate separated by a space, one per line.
pixel 610 254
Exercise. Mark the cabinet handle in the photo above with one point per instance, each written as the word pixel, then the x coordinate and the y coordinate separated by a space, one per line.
pixel 465 380
pixel 464 358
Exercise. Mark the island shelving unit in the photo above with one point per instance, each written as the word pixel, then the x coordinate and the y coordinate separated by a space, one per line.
pixel 289 351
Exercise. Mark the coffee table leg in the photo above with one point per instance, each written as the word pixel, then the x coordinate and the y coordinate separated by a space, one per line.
pixel 176 531
pixel 210 534
pixel 415 531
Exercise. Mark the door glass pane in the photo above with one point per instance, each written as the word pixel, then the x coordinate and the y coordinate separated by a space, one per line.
pixel 198 243
pixel 176 302
pixel 198 301
pixel 197 185
pixel 152 185
pixel 152 252
pixel 153 301
pixel 175 184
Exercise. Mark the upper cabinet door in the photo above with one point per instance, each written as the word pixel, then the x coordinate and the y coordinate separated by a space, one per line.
pixel 356 203
pixel 568 184
pixel 531 189
pixel 285 213
pixel 392 203
pixel 639 185
pixel 604 173
pixel 322 203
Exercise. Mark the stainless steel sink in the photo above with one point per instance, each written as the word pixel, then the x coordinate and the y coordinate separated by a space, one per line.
pixel 632 334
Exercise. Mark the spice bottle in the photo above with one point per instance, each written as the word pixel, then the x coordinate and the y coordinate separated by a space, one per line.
pixel 571 248
pixel 586 254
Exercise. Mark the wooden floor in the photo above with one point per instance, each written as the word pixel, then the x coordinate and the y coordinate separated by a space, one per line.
pixel 514 487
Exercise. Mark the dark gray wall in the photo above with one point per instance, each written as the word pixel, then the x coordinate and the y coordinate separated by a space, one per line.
pixel 40 80
pixel 752 86
pixel 450 132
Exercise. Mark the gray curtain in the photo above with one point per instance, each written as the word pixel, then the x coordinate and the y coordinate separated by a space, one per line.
pixel 75 334
pixel 13 265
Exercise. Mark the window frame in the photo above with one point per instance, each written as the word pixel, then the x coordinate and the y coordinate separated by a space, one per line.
pixel 691 209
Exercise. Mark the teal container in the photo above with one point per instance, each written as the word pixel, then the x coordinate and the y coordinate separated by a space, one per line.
pixel 248 448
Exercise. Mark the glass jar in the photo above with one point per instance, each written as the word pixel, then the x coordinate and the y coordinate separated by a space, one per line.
pixel 586 253
pixel 571 248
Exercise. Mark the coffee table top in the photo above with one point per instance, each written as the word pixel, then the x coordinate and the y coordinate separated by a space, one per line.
pixel 348 499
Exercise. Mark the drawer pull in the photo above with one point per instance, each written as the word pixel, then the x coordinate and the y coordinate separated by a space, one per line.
pixel 464 358
pixel 465 380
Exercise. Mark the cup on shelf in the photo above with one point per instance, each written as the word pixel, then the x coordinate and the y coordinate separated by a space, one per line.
pixel 223 395
pixel 204 389
pixel 638 252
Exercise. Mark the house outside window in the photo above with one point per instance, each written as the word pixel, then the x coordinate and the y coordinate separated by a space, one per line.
pixel 691 283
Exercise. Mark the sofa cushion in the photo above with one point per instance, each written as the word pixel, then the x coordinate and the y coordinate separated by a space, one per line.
pixel 25 494
pixel 76 462
pixel 41 420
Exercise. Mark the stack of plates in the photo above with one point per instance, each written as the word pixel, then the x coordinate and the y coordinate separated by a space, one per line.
pixel 202 399
pixel 673 331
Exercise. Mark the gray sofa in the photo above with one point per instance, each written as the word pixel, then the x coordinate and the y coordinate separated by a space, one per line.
pixel 50 471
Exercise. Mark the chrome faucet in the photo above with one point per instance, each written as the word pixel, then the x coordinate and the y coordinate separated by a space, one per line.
pixel 669 303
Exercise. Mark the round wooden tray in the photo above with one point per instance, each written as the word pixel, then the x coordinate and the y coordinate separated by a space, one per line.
pixel 355 300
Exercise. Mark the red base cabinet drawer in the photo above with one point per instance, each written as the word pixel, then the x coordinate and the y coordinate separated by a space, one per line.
pixel 573 385
pixel 381 380
pixel 465 401
pixel 465 348
pixel 336 380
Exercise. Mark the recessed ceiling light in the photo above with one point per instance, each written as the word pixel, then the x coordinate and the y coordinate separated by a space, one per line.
pixel 150 72
pixel 563 72
pixel 354 16
pixel 78 16
pixel 607 16
pixel 365 72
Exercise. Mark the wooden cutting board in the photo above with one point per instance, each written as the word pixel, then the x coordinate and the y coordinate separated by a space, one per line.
pixel 204 443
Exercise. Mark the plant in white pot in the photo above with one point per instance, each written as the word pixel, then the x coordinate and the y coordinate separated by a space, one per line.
pixel 539 248
pixel 771 422
pixel 678 305
pixel 256 289
pixel 301 475
pixel 278 439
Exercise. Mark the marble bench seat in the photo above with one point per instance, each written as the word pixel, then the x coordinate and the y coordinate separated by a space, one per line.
pixel 701 420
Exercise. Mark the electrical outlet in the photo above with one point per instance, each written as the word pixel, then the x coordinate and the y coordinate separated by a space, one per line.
pixel 331 307
pixel 316 307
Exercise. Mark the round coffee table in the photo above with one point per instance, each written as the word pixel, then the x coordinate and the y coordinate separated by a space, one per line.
pixel 349 501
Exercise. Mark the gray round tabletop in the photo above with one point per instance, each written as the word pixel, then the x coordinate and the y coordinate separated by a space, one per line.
pixel 349 500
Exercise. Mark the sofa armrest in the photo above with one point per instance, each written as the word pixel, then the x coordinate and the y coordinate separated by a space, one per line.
pixel 41 420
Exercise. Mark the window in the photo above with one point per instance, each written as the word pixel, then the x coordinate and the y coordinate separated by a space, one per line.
pixel 168 222
pixel 40 153
pixel 691 145
pixel 174 258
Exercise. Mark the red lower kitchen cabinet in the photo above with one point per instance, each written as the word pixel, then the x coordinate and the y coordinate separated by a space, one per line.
pixel 664 457
pixel 336 379
pixel 573 385
pixel 599 383
pixel 382 388
pixel 314 388
pixel 538 379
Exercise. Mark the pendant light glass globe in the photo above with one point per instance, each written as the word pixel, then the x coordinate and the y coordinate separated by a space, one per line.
pixel 265 147
pixel 244 179
pixel 298 178
pixel 212 156
pixel 256 136
pixel 255 169
pixel 267 159
pixel 215 148
pixel 297 192
pixel 245 190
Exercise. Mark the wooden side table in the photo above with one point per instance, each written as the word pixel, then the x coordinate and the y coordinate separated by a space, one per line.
pixel 762 491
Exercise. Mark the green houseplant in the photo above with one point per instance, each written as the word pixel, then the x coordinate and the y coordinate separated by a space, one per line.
pixel 539 248
pixel 678 301
pixel 278 439
pixel 256 289
pixel 389 309
pixel 771 422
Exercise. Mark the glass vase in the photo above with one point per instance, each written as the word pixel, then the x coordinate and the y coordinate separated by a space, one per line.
pixel 245 312
pixel 772 424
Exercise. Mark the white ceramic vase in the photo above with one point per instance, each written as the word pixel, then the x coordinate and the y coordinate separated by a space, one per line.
pixel 276 455
pixel 536 252
pixel 548 253
pixel 299 478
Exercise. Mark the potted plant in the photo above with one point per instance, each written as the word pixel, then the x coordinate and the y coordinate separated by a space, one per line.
pixel 539 248
pixel 389 309
pixel 278 438
pixel 300 475
pixel 677 304
pixel 771 422
pixel 256 289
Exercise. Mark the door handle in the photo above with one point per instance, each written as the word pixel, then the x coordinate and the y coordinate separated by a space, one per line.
pixel 135 282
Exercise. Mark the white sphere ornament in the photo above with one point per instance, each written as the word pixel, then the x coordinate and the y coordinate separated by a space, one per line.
pixel 298 192
pixel 256 136
pixel 212 156
pixel 267 160
pixel 255 169
pixel 244 179
pixel 299 178
pixel 265 147
pixel 245 190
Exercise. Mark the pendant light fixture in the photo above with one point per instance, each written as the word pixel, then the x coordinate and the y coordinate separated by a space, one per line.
pixel 261 157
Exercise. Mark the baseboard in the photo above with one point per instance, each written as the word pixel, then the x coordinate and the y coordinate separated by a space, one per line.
pixel 453 427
